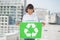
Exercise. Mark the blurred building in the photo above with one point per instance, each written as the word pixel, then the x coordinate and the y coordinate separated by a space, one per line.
pixel 12 10
pixel 9 36
pixel 55 17
pixel 43 14
pixel 52 16
pixel 58 18
pixel 4 20
pixel 5 27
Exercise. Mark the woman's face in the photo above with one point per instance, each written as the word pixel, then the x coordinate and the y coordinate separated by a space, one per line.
pixel 30 11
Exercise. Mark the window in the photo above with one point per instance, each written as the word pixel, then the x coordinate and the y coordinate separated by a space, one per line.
pixel 4 12
pixel 4 6
pixel 18 6
pixel 1 6
pixel 7 9
pixel 7 12
pixel 2 17
pixel 4 9
pixel 1 26
pixel 11 6
pixel 7 6
pixel 5 23
pixel 1 9
pixel 5 26
pixel 2 23
pixel 2 20
pixel 14 6
pixel 5 20
pixel 0 12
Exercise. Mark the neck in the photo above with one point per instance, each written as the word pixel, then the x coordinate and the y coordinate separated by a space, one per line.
pixel 30 13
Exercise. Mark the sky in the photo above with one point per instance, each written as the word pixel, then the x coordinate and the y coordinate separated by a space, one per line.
pixel 51 5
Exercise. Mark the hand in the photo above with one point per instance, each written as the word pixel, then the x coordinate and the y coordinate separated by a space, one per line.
pixel 17 23
pixel 43 23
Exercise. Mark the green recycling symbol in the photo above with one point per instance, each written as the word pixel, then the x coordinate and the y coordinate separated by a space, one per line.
pixel 27 29
pixel 30 29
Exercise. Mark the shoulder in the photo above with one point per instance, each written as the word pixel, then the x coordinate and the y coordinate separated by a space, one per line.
pixel 25 15
pixel 35 14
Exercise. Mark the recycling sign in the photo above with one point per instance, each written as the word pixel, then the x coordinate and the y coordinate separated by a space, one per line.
pixel 30 29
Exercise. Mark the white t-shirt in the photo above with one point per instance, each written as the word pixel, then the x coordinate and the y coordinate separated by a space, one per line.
pixel 30 18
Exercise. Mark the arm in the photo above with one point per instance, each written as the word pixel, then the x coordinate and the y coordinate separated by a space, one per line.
pixel 23 19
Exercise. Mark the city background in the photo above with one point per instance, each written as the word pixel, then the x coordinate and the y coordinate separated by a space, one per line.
pixel 12 11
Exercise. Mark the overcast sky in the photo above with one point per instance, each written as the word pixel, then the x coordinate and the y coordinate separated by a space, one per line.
pixel 52 5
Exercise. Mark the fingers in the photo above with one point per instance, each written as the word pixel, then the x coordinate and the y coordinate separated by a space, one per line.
pixel 17 23
pixel 43 23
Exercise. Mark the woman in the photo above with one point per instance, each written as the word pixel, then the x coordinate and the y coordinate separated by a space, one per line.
pixel 30 17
